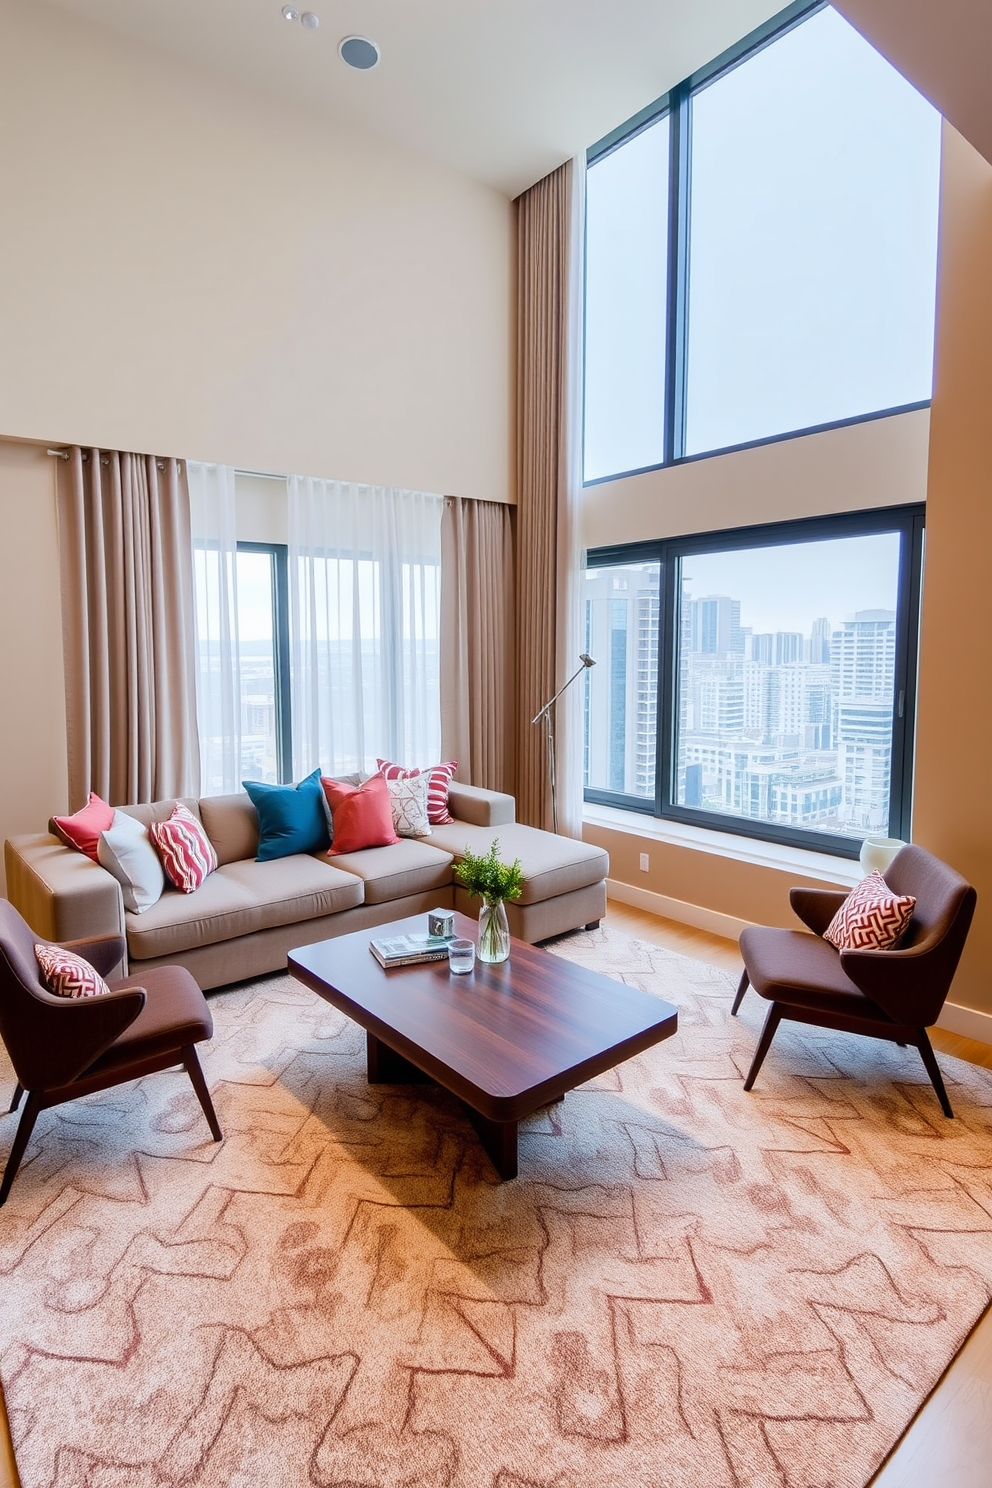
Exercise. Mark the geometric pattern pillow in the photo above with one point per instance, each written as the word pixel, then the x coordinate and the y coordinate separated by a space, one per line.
pixel 185 849
pixel 67 975
pixel 871 918
pixel 439 778
pixel 408 800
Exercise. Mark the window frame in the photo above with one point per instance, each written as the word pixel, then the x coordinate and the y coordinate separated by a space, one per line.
pixel 279 555
pixel 677 103
pixel 909 522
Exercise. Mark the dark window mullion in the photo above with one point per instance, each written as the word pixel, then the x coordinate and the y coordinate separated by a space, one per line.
pixel 284 710
pixel 678 273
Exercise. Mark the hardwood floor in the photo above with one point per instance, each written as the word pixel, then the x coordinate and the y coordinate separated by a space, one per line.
pixel 948 1444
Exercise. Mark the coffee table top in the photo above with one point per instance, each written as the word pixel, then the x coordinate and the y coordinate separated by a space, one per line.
pixel 506 1038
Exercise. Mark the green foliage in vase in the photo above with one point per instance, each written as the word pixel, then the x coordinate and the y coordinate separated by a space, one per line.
pixel 489 877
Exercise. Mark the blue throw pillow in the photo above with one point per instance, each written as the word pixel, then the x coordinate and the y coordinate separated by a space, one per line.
pixel 291 818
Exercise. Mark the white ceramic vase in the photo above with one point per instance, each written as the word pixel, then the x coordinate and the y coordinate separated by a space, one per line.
pixel 878 852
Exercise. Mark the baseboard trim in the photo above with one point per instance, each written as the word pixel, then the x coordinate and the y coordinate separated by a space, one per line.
pixel 967 1021
pixel 711 920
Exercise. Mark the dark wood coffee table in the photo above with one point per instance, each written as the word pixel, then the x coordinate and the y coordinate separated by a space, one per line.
pixel 505 1039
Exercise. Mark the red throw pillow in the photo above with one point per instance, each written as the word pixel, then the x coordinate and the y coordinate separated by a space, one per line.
pixel 82 830
pixel 68 975
pixel 437 787
pixel 185 849
pixel 871 918
pixel 362 815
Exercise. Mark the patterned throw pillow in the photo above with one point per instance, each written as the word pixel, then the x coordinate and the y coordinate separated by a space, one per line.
pixel 438 780
pixel 185 849
pixel 408 800
pixel 68 975
pixel 871 918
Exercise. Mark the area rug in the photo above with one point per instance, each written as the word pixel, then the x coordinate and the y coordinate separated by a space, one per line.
pixel 686 1287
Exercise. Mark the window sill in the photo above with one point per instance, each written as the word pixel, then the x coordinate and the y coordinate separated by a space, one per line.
pixel 845 872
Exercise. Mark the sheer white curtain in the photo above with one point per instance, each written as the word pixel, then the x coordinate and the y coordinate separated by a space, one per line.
pixel 364 601
pixel 218 660
pixel 570 633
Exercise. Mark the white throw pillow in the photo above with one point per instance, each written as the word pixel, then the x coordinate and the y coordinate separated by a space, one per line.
pixel 408 800
pixel 126 851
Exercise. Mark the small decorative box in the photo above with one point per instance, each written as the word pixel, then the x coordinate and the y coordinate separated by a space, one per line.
pixel 441 922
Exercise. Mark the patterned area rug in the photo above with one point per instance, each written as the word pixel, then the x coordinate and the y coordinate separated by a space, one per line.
pixel 687 1286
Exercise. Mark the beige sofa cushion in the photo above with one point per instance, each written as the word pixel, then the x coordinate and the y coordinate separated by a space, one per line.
pixel 552 865
pixel 238 899
pixel 160 811
pixel 231 823
pixel 409 866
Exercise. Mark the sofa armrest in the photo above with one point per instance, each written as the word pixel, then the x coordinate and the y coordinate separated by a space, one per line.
pixel 481 808
pixel 104 953
pixel 61 893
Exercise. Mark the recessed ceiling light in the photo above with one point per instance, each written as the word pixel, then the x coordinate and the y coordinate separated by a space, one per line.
pixel 309 20
pixel 290 13
pixel 359 52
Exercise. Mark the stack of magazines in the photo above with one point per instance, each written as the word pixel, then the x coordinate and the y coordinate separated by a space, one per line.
pixel 408 950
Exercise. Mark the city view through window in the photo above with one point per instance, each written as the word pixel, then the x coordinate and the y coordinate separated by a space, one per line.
pixel 784 687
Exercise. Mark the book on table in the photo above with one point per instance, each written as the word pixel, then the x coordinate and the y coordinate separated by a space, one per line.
pixel 408 950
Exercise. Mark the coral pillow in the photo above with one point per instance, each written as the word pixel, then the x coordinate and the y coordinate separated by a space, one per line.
pixel 871 918
pixel 68 975
pixel 82 830
pixel 363 815
pixel 185 849
pixel 437 787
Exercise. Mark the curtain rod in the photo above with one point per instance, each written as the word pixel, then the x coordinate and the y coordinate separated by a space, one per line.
pixel 62 454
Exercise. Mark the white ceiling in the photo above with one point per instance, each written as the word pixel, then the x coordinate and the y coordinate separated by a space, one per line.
pixel 503 90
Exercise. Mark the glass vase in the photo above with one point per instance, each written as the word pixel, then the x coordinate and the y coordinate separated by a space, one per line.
pixel 494 932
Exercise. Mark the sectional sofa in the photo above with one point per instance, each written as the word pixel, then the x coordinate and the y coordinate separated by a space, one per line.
pixel 245 917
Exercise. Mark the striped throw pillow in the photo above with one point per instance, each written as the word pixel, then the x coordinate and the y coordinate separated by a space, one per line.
pixel 871 918
pixel 185 849
pixel 68 975
pixel 437 786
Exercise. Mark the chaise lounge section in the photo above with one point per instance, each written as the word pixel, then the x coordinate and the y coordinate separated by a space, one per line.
pixel 246 916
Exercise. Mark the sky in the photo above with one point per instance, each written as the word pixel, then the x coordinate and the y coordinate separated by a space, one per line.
pixel 788 587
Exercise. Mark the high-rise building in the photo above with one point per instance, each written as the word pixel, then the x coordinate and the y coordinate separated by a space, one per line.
pixel 863 662
pixel 719 625
pixel 789 647
pixel 819 643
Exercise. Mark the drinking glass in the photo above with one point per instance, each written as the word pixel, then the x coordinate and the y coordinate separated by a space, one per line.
pixel 461 956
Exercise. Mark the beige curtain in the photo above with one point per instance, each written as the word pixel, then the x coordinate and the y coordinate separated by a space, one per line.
pixel 126 560
pixel 478 706
pixel 543 251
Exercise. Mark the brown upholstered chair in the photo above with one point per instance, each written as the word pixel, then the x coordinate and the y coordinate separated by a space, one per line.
pixel 893 994
pixel 63 1048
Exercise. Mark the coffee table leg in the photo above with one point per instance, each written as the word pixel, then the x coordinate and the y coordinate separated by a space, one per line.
pixel 385 1067
pixel 499 1138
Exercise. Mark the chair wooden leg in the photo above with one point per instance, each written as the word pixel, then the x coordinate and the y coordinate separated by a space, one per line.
pixel 25 1127
pixel 199 1084
pixel 18 1092
pixel 745 983
pixel 764 1044
pixel 933 1070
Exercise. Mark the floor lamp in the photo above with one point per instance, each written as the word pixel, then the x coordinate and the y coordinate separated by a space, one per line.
pixel 547 713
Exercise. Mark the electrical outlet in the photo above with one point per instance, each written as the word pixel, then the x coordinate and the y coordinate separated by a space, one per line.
pixel 645 863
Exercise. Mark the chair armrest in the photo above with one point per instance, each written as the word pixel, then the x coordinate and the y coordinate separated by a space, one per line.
pixel 816 907
pixel 103 952
pixel 906 984
pixel 61 893
pixel 481 808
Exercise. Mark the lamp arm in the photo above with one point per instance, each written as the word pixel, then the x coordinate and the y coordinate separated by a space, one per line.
pixel 551 701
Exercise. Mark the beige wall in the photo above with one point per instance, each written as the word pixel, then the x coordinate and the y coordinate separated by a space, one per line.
pixel 195 269
pixel 881 462
pixel 33 782
pixel 953 803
